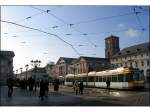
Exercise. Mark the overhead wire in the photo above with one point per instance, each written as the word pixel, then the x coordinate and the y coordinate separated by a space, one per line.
pixel 99 19
pixel 71 25
pixel 35 29
pixel 137 17
pixel 92 20
pixel 36 14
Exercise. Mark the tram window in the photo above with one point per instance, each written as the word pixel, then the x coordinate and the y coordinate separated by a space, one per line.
pixel 114 78
pixel 97 79
pixel 100 79
pixel 104 79
pixel 120 78
pixel 129 78
pixel 91 79
pixel 84 79
pixel 109 78
pixel 136 77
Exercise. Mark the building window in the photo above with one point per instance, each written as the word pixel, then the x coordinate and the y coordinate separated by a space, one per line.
pixel 130 64
pixel 148 63
pixel 142 63
pixel 148 72
pixel 125 64
pixel 136 64
pixel 121 65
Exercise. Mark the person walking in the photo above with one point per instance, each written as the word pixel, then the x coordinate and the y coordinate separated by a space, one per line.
pixel 46 87
pixel 31 83
pixel 42 90
pixel 56 85
pixel 76 86
pixel 10 87
pixel 81 87
pixel 108 85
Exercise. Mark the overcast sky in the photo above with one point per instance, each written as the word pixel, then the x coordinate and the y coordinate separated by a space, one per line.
pixel 83 27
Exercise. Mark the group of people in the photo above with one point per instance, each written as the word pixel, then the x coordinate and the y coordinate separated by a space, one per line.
pixel 31 83
pixel 78 87
pixel 44 86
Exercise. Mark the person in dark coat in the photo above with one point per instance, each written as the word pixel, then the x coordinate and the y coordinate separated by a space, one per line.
pixel 42 90
pixel 10 86
pixel 108 85
pixel 46 87
pixel 81 87
pixel 31 83
pixel 56 85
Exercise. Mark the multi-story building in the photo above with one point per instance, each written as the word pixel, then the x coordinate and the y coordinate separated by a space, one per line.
pixel 6 66
pixel 136 56
pixel 51 70
pixel 61 67
pixel 82 64
pixel 86 64
pixel 38 74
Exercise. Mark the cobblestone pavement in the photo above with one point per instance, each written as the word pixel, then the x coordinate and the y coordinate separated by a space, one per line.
pixel 130 98
pixel 67 97
pixel 25 98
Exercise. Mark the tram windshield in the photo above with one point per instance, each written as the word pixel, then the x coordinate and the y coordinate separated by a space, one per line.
pixel 138 76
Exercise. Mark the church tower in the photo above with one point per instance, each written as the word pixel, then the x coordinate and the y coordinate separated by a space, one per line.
pixel 111 46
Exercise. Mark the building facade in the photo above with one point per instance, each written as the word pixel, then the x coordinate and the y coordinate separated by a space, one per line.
pixel 62 66
pixel 137 56
pixel 6 66
pixel 37 74
pixel 51 70
pixel 79 65
pixel 87 64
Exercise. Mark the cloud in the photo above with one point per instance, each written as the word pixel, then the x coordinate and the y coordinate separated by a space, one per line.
pixel 132 33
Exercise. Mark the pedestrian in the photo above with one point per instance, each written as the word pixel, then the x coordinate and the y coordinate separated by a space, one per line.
pixel 56 85
pixel 76 86
pixel 46 88
pixel 31 83
pixel 73 85
pixel 108 85
pixel 81 87
pixel 42 90
pixel 10 86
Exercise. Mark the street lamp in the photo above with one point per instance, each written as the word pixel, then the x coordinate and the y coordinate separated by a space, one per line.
pixel 35 64
pixel 27 66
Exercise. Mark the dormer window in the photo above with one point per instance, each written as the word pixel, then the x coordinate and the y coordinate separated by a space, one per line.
pixel 138 49
pixel 128 51
pixel 119 53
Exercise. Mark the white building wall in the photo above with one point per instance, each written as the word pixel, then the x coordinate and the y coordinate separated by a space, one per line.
pixel 133 59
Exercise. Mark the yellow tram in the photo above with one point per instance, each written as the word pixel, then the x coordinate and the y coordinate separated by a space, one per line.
pixel 120 78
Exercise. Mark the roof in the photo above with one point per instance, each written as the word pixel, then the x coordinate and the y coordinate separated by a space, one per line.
pixel 136 49
pixel 93 58
pixel 67 60
pixel 111 36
